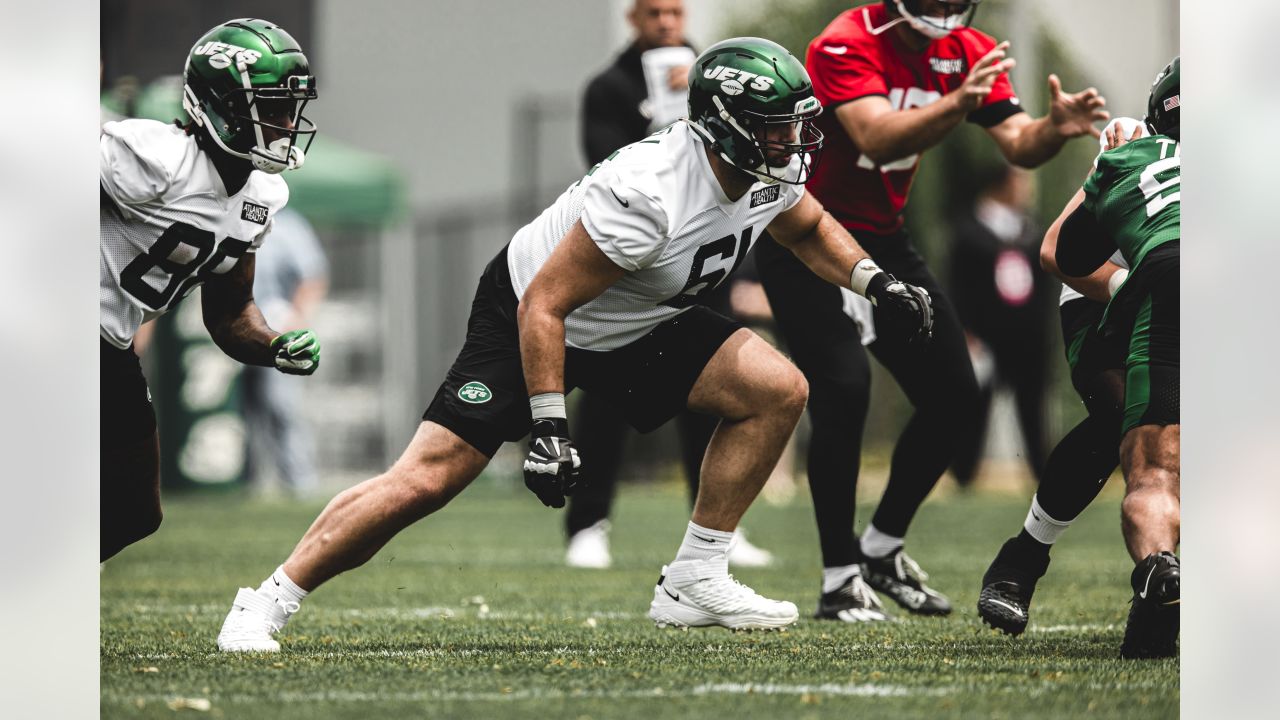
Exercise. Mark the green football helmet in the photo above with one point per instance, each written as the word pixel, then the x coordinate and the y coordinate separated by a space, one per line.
pixel 1164 102
pixel 246 83
pixel 753 103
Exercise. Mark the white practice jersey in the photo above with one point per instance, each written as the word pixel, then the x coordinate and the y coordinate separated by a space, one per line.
pixel 1127 125
pixel 167 223
pixel 656 209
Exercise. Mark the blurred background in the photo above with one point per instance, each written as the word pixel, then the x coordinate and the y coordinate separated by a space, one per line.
pixel 446 126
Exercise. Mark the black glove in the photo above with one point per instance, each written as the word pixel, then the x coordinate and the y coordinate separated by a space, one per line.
pixel 903 312
pixel 551 467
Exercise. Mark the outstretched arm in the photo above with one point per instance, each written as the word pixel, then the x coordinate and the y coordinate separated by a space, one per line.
pixel 1029 143
pixel 884 133
pixel 829 250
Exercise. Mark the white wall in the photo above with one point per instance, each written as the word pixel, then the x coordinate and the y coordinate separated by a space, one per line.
pixel 432 83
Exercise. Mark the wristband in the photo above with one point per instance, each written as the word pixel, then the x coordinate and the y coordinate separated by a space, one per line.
pixel 1116 280
pixel 862 274
pixel 547 405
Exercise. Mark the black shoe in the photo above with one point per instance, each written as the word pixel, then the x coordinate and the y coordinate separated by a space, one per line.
pixel 851 602
pixel 1007 587
pixel 1152 630
pixel 899 577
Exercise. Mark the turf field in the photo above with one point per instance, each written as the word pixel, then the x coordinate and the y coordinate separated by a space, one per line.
pixel 472 614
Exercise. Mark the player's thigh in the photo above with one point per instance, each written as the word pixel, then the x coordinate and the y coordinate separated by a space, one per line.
pixel 1152 371
pixel 746 376
pixel 438 462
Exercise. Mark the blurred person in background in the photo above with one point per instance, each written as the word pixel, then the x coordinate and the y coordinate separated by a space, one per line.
pixel 175 203
pixel 291 279
pixel 645 89
pixel 600 291
pixel 1003 301
pixel 895 78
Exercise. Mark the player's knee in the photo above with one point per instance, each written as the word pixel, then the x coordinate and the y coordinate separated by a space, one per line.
pixel 792 391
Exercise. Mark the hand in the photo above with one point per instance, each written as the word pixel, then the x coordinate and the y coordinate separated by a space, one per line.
pixel 903 312
pixel 1116 138
pixel 297 352
pixel 678 77
pixel 551 467
pixel 1074 114
pixel 982 77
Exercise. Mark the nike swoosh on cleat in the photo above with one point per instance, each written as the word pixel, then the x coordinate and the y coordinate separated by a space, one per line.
pixel 1146 585
pixel 673 596
pixel 1004 604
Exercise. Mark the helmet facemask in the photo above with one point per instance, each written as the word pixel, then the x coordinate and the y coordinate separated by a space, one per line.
pixel 932 26
pixel 260 124
pixel 760 145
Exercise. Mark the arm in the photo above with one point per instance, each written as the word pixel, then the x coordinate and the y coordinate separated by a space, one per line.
pixel 1097 285
pixel 885 134
pixel 902 311
pixel 233 319
pixel 576 273
pixel 818 241
pixel 1083 246
pixel 1029 143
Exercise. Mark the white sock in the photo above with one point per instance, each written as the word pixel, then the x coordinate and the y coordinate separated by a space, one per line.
pixel 834 577
pixel 876 544
pixel 278 586
pixel 1041 526
pixel 703 544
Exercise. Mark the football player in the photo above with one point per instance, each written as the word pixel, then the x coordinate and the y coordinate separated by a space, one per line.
pixel 600 292
pixel 1079 466
pixel 188 206
pixel 896 77
pixel 1132 203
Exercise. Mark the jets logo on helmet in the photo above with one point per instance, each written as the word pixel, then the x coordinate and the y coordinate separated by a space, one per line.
pixel 956 14
pixel 753 103
pixel 245 84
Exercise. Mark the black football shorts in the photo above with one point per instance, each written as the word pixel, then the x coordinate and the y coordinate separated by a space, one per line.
pixel 126 417
pixel 484 400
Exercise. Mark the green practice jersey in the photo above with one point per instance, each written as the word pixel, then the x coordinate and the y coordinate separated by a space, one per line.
pixel 1135 195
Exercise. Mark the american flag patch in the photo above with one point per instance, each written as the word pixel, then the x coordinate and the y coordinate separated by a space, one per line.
pixel 1172 102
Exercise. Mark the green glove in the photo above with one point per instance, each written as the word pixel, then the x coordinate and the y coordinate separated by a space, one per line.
pixel 297 352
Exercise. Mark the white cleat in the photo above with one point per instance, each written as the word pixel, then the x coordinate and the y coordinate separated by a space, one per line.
pixel 743 554
pixel 699 593
pixel 589 547
pixel 253 619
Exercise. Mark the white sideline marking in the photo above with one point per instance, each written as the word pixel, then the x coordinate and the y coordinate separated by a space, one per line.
pixel 1087 627
pixel 355 696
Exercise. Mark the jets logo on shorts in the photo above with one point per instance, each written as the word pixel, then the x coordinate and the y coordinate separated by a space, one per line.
pixel 475 393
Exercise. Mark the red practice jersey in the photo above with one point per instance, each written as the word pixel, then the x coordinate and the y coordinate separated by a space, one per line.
pixel 857 56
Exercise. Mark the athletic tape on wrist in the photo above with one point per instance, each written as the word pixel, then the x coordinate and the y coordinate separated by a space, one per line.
pixel 1116 280
pixel 862 274
pixel 548 405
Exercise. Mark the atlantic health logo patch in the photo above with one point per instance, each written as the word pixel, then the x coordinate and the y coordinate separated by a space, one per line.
pixel 765 195
pixel 475 393
pixel 254 213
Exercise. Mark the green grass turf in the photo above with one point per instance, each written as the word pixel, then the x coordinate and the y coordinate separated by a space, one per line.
pixel 472 614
